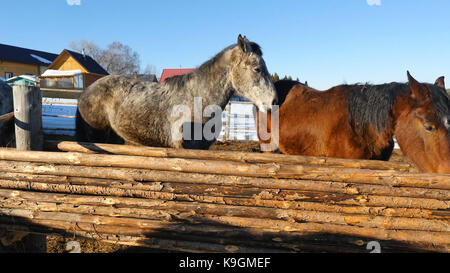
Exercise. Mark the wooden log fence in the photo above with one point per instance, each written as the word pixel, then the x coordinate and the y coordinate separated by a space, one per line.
pixel 210 201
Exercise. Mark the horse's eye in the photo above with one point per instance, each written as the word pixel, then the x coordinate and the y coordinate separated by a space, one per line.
pixel 257 70
pixel 430 128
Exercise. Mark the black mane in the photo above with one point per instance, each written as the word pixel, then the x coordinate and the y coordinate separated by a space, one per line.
pixel 372 105
pixel 441 101
pixel 206 67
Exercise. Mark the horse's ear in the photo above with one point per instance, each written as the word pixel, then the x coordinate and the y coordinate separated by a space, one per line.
pixel 440 82
pixel 243 43
pixel 417 91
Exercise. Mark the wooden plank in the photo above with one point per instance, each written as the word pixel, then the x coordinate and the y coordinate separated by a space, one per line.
pixel 6 117
pixel 61 93
pixel 222 155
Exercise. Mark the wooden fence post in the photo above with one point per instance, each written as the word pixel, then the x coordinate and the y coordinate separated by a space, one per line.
pixel 226 135
pixel 29 136
pixel 28 118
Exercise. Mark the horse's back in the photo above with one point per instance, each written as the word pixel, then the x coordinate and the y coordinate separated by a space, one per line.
pixel 97 105
pixel 283 87
pixel 309 120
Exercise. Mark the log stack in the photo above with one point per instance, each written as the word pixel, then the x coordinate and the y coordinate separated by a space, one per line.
pixel 211 201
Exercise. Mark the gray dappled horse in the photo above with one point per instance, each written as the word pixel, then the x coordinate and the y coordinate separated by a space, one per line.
pixel 144 113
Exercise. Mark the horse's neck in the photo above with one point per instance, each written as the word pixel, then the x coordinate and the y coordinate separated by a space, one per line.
pixel 401 108
pixel 217 89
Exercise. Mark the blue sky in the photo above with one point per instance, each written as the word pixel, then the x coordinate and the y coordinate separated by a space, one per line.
pixel 326 42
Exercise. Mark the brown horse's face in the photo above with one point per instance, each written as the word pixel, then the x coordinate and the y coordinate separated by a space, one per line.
pixel 423 133
pixel 249 76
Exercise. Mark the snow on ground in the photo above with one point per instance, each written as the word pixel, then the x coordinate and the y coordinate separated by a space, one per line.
pixel 59 114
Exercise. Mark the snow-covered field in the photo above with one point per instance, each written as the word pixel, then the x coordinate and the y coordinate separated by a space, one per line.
pixel 58 116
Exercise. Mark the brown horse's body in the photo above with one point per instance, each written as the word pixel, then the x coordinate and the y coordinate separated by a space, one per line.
pixel 323 129
pixel 359 122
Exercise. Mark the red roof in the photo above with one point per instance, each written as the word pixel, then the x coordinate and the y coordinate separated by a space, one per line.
pixel 167 73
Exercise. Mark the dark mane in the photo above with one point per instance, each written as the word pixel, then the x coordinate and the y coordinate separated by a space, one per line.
pixel 372 105
pixel 440 100
pixel 206 67
pixel 256 48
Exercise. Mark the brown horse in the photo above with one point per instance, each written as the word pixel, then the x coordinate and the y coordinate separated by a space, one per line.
pixel 360 121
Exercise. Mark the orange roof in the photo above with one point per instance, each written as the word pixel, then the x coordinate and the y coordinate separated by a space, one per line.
pixel 167 73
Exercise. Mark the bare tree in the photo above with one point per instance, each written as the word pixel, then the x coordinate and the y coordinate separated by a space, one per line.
pixel 150 69
pixel 120 59
pixel 90 49
pixel 117 58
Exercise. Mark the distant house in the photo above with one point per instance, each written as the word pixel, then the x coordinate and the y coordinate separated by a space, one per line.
pixel 71 70
pixel 15 61
pixel 167 73
pixel 28 80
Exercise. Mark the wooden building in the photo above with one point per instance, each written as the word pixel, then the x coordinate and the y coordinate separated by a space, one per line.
pixel 167 73
pixel 71 70
pixel 16 61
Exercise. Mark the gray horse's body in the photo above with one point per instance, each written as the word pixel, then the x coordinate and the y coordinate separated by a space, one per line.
pixel 142 113
pixel 126 102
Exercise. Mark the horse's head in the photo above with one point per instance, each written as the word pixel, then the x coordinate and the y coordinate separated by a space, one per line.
pixel 423 132
pixel 249 75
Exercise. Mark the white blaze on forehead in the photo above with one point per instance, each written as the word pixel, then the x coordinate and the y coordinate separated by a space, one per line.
pixel 446 121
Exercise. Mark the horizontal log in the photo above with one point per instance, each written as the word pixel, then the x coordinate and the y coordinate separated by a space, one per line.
pixel 6 117
pixel 260 200
pixel 404 236
pixel 271 209
pixel 83 147
pixel 128 174
pixel 333 190
pixel 398 223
